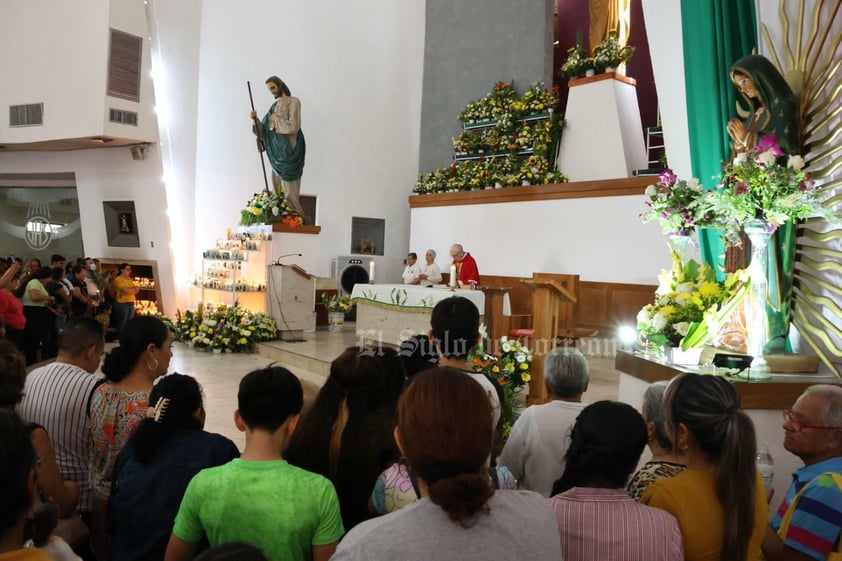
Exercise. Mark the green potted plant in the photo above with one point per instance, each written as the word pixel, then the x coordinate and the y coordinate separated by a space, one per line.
pixel 609 55
pixel 574 64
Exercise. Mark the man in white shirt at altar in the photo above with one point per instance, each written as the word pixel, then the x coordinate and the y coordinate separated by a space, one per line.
pixel 432 273
pixel 413 270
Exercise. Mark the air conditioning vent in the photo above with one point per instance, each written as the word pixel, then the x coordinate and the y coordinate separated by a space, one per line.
pixel 27 115
pixel 124 66
pixel 123 117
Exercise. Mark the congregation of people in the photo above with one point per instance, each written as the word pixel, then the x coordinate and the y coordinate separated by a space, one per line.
pixel 37 301
pixel 398 457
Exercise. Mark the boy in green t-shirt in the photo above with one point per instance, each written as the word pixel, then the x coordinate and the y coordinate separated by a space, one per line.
pixel 260 499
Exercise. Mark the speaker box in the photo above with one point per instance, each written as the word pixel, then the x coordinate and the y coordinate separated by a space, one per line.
pixel 349 270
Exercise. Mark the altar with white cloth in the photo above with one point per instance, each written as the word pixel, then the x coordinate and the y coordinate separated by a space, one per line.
pixel 391 313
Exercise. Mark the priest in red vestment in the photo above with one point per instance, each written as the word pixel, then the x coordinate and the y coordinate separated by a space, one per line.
pixel 466 267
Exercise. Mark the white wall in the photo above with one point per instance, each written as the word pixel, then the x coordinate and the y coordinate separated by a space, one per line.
pixel 57 52
pixel 663 22
pixel 110 174
pixel 46 69
pixel 357 68
pixel 600 239
pixel 130 16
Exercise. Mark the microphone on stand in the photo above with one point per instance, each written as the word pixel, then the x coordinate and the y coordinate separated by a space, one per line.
pixel 278 260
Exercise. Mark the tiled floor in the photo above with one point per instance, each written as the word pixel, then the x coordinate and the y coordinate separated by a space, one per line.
pixel 220 374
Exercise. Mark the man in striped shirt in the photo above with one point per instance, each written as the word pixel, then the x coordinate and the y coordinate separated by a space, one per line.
pixel 813 430
pixel 58 397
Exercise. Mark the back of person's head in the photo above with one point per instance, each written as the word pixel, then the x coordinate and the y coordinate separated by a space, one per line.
pixel 361 382
pixel 418 354
pixel 566 372
pixel 234 551
pixel 709 407
pixel 455 326
pixel 80 334
pixel 44 521
pixel 268 397
pixel 137 335
pixel 12 374
pixel 17 462
pixel 43 274
pixel 445 434
pixel 605 446
pixel 175 401
pixel 58 273
pixel 653 412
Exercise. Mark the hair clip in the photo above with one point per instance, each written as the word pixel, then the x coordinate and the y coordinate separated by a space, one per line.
pixel 157 413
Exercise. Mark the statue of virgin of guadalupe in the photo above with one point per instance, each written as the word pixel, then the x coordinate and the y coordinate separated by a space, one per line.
pixel 772 109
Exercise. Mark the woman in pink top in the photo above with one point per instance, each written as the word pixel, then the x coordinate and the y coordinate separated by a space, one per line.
pixel 596 517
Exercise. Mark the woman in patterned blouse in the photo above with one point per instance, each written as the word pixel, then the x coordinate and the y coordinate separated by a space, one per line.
pixel 118 406
pixel 664 462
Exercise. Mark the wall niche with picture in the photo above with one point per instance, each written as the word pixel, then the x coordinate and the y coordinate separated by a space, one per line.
pixel 367 235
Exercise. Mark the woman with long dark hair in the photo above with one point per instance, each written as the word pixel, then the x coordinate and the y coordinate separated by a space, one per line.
pixel 444 433
pixel 152 471
pixel 718 500
pixel 596 518
pixel 119 405
pixel 346 435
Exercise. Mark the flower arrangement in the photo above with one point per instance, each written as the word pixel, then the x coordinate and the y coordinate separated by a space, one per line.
pixel 512 370
pixel 673 203
pixel 609 53
pixel 755 185
pixel 335 303
pixel 266 207
pixel 690 304
pixel 229 328
pixel 491 106
pixel 489 154
pixel 577 62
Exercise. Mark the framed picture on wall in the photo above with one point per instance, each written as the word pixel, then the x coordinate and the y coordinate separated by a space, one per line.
pixel 120 224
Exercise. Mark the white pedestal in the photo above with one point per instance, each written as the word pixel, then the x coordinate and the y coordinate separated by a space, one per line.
pixel 603 138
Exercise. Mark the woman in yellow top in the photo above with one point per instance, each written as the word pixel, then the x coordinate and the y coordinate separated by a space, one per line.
pixel 124 297
pixel 719 501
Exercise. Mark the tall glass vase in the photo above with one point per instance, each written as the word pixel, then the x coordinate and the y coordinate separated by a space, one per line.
pixel 682 243
pixel 759 232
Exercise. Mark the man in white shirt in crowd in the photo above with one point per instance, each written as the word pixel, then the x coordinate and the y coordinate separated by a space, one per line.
pixel 538 442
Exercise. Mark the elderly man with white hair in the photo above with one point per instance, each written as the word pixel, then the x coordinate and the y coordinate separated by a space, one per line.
pixel 808 523
pixel 538 441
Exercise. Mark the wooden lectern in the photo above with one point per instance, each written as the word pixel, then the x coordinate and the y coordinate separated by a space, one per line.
pixel 546 296
pixel 291 298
